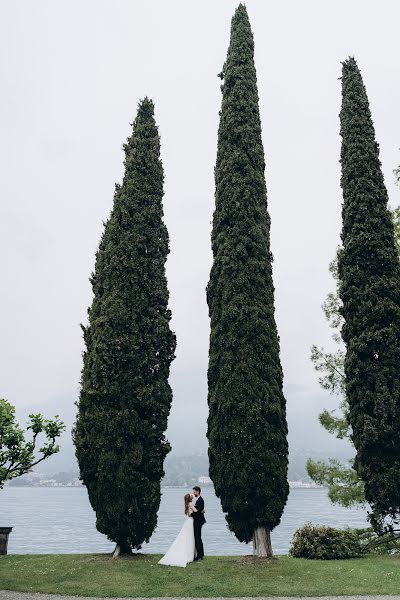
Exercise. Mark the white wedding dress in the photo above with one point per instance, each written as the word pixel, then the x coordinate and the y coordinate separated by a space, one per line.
pixel 182 550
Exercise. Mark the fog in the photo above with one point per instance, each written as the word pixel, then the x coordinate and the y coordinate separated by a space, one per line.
pixel 72 74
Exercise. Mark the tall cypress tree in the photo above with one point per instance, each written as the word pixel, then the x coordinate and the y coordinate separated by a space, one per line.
pixel 125 396
pixel 369 273
pixel 247 427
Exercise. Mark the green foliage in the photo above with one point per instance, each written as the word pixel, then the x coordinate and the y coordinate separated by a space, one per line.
pixel 372 543
pixel 344 485
pixel 18 455
pixel 247 428
pixel 396 225
pixel 369 273
pixel 330 364
pixel 325 543
pixel 337 425
pixel 125 396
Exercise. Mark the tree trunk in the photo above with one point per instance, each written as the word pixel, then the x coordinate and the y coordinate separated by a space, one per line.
pixel 122 548
pixel 4 533
pixel 262 542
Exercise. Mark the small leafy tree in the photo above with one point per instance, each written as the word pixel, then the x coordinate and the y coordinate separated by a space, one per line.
pixel 344 485
pixel 18 455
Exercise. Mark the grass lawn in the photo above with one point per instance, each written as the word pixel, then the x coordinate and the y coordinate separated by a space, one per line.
pixel 98 575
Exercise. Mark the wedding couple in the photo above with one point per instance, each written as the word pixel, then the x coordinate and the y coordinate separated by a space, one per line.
pixel 188 545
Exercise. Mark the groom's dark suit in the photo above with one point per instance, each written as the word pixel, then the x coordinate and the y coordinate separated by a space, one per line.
pixel 199 520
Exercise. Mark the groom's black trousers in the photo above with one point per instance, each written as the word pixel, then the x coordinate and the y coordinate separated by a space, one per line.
pixel 198 524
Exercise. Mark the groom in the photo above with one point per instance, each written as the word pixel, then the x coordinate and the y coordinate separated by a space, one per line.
pixel 199 521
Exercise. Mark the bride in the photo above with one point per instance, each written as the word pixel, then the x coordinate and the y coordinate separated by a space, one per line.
pixel 183 548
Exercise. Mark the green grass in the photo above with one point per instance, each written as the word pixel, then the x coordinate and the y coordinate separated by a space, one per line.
pixel 98 575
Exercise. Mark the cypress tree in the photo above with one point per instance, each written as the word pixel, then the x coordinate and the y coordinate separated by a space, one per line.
pixel 247 427
pixel 369 273
pixel 125 396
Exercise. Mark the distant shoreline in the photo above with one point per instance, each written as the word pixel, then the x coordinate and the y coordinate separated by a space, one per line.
pixel 293 485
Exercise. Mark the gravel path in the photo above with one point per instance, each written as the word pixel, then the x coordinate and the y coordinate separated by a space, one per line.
pixel 5 595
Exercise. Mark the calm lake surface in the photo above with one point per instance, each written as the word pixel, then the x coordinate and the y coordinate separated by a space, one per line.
pixel 61 520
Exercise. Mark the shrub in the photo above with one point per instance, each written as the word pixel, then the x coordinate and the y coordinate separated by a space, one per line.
pixel 388 543
pixel 325 543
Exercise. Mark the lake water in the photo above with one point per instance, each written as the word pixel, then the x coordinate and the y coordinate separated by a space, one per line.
pixel 61 520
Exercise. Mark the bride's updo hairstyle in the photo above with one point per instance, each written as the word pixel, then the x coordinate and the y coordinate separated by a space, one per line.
pixel 187 500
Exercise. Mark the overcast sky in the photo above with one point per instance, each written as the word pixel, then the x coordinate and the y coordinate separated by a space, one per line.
pixel 71 75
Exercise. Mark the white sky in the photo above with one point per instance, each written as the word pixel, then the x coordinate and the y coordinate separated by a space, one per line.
pixel 71 75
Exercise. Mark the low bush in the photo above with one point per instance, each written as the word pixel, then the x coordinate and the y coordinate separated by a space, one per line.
pixel 325 543
pixel 372 543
